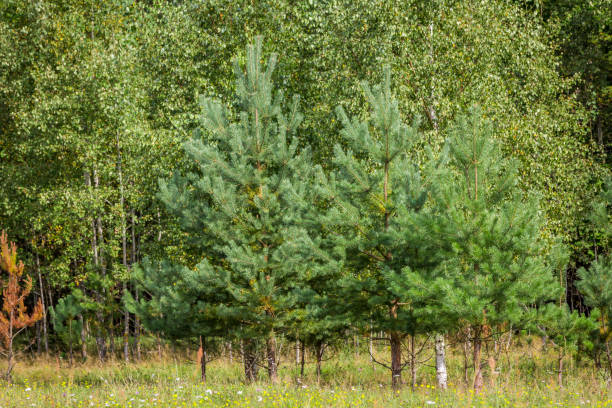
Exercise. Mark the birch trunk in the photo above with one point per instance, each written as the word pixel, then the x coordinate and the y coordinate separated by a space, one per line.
pixel 441 374
pixel 137 328
pixel 42 299
pixel 100 338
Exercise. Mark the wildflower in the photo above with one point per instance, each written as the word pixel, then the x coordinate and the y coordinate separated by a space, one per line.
pixel 259 399
pixel 209 391
pixel 239 392
pixel 430 402
pixel 28 389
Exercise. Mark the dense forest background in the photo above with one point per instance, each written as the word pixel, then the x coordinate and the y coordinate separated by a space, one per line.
pixel 98 98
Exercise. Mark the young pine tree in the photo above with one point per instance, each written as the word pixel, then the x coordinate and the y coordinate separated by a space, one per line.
pixel 64 317
pixel 13 315
pixel 376 194
pixel 496 267
pixel 241 206
pixel 596 281
pixel 179 304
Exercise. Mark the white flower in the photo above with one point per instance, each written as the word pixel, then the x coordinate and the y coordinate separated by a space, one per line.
pixel 209 391
pixel 430 402
pixel 259 399
pixel 239 392
pixel 304 386
pixel 28 389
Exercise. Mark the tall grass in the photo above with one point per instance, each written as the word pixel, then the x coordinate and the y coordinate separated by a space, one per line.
pixel 527 378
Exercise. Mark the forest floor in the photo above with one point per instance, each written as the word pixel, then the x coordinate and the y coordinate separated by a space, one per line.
pixel 347 381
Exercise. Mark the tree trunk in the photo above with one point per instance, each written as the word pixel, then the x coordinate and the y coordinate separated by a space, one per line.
pixel 319 350
pixel 413 363
pixel 126 330
pixel 100 340
pixel 126 314
pixel 230 352
pixel 9 347
pixel 99 260
pixel 478 382
pixel 9 356
pixel 466 352
pixel 302 360
pixel 297 351
pixel 42 299
pixel 493 373
pixel 371 345
pixel 441 374
pixel 560 369
pixel 396 359
pixel 137 328
pixel 38 338
pixel 271 357
pixel 609 356
pixel 202 357
pixel 83 338
pixel 250 360
pixel 71 359
pixel 111 337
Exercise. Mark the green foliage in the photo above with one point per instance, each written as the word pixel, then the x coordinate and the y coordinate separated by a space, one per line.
pixel 242 207
pixel 375 193
pixel 568 331
pixel 96 100
pixel 496 268
pixel 63 317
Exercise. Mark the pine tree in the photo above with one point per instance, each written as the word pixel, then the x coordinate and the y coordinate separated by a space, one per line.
pixel 241 207
pixel 13 315
pixel 567 331
pixel 316 320
pixel 596 281
pixel 64 317
pixel 179 305
pixel 496 267
pixel 377 193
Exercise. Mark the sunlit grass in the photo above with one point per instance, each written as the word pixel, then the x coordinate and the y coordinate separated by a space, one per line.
pixel 347 381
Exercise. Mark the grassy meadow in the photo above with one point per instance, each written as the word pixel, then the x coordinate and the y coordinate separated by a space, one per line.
pixel 348 380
